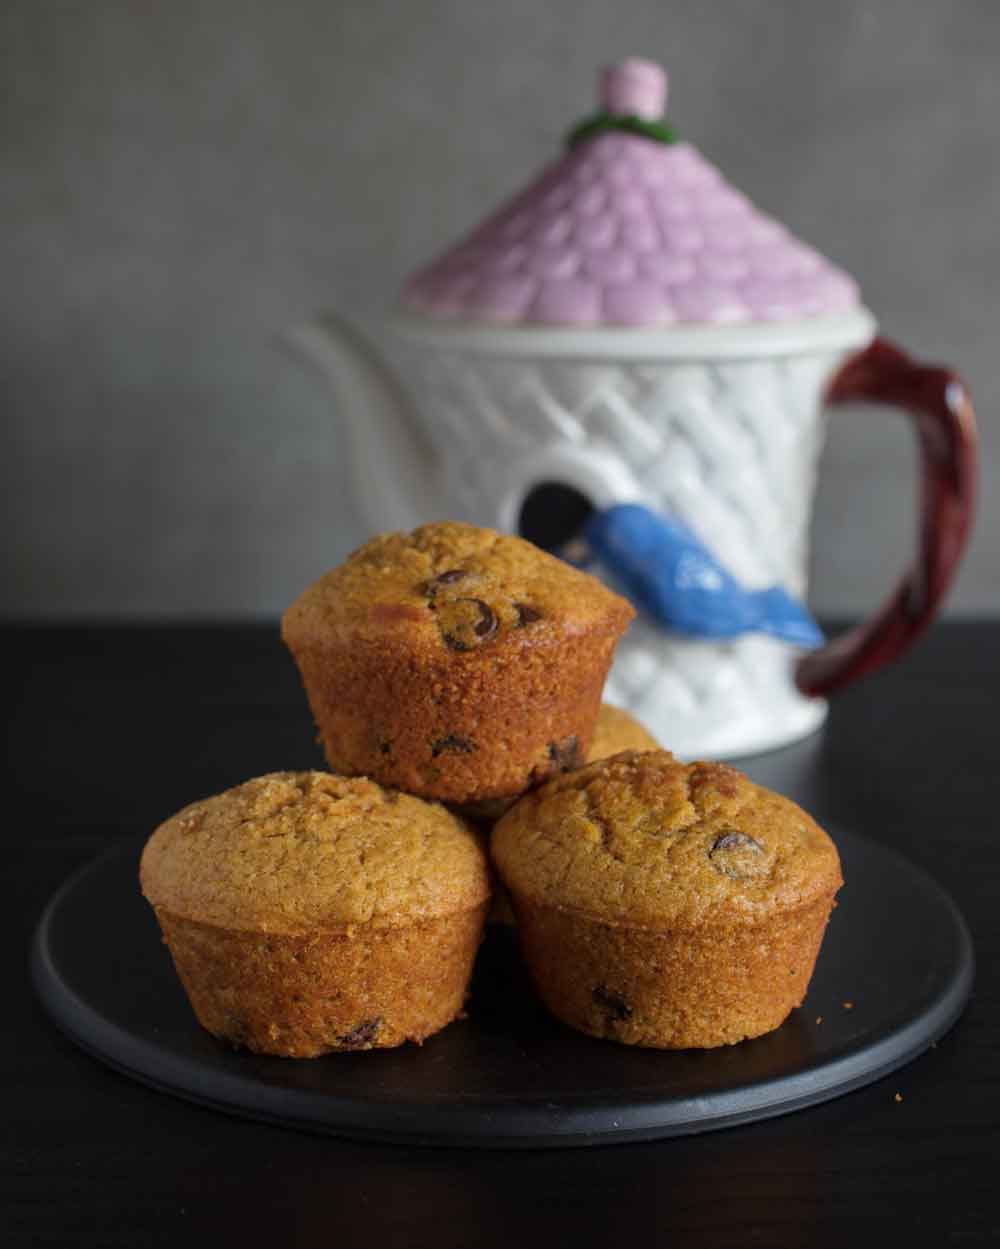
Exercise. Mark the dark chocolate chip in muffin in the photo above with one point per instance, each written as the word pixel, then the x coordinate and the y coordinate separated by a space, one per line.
pixel 453 744
pixel 611 1002
pixel 444 578
pixel 362 1037
pixel 735 841
pixel 487 624
pixel 737 855
pixel 566 754
pixel 467 623
pixel 526 615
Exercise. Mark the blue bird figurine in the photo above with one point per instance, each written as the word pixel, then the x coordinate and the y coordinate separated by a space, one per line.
pixel 671 575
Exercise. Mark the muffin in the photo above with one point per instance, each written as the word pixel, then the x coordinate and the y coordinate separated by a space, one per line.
pixel 664 904
pixel 455 663
pixel 616 731
pixel 307 913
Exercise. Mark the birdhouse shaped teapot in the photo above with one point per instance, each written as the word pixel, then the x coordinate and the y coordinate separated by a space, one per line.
pixel 629 364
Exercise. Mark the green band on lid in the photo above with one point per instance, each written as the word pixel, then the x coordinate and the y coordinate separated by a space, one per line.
pixel 658 131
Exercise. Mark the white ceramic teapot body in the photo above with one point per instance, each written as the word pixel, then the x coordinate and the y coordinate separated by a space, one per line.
pixel 719 427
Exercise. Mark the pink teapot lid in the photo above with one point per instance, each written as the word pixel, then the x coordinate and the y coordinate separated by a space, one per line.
pixel 631 227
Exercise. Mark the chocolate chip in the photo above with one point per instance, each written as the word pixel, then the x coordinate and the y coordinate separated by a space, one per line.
pixel 487 624
pixel 735 841
pixel 467 623
pixel 566 754
pixel 611 1002
pixel 385 748
pixel 452 744
pixel 362 1037
pixel 443 578
pixel 736 855
pixel 526 615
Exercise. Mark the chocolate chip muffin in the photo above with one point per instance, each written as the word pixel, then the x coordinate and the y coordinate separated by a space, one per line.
pixel 616 730
pixel 665 904
pixel 307 913
pixel 455 663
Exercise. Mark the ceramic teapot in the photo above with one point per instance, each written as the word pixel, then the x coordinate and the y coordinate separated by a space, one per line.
pixel 630 329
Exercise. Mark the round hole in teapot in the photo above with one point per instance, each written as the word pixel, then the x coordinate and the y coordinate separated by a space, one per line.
pixel 552 515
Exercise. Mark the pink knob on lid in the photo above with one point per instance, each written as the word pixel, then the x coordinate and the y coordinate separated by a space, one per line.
pixel 635 88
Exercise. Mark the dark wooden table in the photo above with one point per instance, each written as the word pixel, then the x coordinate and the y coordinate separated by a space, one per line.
pixel 112 729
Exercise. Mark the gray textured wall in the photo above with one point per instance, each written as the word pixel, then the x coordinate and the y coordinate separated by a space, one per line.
pixel 181 180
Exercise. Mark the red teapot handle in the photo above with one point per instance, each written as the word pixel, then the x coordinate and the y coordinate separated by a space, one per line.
pixel 939 405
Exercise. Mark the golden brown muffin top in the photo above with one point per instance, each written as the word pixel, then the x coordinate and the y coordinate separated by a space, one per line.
pixel 616 731
pixel 294 852
pixel 645 840
pixel 456 587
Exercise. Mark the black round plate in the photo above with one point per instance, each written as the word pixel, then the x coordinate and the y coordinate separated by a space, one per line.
pixel 894 973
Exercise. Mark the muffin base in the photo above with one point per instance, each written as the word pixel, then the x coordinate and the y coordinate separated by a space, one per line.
pixel 671 989
pixel 349 989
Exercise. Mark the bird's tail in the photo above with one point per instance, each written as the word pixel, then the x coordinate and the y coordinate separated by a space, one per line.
pixel 779 615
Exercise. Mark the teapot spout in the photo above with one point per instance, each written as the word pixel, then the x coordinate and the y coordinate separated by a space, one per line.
pixel 392 466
